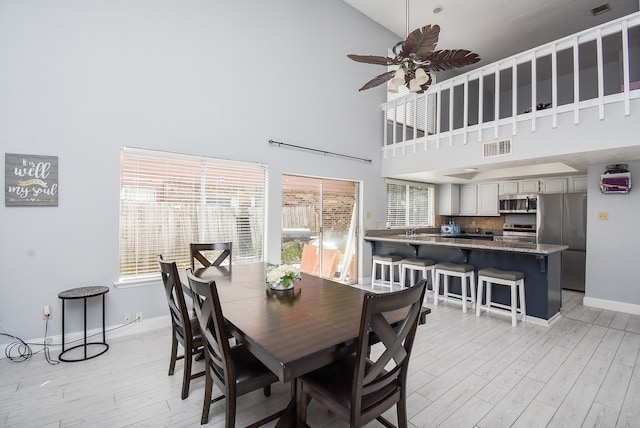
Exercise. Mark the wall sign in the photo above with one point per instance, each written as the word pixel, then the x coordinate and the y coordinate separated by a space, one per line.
pixel 30 180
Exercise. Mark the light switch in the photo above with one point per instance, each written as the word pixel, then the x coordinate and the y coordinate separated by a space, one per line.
pixel 368 215
pixel 603 216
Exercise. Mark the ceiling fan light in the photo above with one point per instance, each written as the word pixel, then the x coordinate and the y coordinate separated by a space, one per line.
pixel 421 76
pixel 392 88
pixel 398 78
pixel 414 85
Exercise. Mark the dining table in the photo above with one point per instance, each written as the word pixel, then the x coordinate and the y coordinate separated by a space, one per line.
pixel 292 332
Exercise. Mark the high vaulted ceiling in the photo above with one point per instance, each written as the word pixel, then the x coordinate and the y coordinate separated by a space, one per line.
pixel 498 29
pixel 494 29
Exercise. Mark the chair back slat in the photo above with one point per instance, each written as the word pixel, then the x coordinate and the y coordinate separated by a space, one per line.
pixel 388 369
pixel 214 331
pixel 197 250
pixel 175 298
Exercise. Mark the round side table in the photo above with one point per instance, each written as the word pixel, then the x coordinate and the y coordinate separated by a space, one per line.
pixel 83 293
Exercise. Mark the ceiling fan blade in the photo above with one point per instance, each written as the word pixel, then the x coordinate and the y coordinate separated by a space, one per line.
pixel 378 80
pixel 450 59
pixel 372 59
pixel 421 41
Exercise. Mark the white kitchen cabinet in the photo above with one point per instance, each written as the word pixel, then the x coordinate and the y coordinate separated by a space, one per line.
pixel 518 186
pixel 469 199
pixel 578 184
pixel 528 186
pixel 448 199
pixel 553 185
pixel 508 187
pixel 488 199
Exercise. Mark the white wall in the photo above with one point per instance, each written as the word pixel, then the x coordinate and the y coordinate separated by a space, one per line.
pixel 612 245
pixel 79 79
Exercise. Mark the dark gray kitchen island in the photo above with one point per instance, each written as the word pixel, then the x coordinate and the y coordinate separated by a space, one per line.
pixel 540 263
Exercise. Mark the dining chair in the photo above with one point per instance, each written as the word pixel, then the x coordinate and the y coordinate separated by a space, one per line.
pixel 185 330
pixel 361 386
pixel 198 253
pixel 234 370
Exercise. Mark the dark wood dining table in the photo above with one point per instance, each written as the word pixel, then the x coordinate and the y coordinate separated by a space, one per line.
pixel 294 331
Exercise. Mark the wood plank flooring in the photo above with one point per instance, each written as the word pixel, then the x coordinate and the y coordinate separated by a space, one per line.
pixel 584 371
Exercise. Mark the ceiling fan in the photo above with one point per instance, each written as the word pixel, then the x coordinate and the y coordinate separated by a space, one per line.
pixel 416 60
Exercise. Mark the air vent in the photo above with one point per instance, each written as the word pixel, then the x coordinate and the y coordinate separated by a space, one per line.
pixel 496 148
pixel 600 9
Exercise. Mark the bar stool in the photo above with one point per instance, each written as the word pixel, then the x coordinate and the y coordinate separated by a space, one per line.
pixel 513 279
pixel 413 265
pixel 462 271
pixel 390 262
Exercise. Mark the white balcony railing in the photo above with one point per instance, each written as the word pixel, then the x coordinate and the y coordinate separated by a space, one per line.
pixel 589 69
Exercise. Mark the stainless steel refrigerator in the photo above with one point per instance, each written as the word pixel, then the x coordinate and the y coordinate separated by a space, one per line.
pixel 562 219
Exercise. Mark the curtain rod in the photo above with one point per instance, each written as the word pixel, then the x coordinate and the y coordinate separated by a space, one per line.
pixel 320 151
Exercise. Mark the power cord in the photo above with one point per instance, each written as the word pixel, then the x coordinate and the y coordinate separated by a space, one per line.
pixel 17 351
pixel 20 351
pixel 46 347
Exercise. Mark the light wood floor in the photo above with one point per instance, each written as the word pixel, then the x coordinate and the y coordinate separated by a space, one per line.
pixel 465 372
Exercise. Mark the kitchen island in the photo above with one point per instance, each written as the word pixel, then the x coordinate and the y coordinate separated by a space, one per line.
pixel 540 263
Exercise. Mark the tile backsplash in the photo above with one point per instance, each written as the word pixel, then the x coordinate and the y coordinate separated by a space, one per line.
pixel 471 223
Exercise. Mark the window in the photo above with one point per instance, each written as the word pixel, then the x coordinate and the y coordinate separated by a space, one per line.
pixel 410 204
pixel 168 201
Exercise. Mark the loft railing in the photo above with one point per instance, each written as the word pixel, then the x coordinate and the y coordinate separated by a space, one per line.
pixel 589 69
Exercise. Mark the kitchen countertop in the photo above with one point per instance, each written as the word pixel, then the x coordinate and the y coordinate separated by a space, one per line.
pixel 450 241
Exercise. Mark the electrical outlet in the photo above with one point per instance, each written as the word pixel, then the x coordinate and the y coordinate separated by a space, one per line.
pixel 46 312
pixel 138 316
pixel 603 216
pixel 127 318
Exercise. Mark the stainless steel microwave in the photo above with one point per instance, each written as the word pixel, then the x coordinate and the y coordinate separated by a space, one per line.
pixel 523 203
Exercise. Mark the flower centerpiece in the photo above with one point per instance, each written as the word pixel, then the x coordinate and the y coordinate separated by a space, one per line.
pixel 281 277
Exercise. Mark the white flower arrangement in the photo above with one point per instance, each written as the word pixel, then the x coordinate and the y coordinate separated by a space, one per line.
pixel 282 276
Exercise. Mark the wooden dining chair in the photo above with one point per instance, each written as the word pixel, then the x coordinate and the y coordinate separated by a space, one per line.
pixel 232 369
pixel 360 387
pixel 185 330
pixel 223 251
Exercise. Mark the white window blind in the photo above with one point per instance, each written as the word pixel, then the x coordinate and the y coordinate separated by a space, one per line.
pixel 409 205
pixel 168 201
pixel 396 205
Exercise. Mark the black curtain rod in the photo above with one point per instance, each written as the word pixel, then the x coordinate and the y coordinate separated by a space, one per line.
pixel 320 151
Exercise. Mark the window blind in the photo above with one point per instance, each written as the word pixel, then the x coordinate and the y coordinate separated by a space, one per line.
pixel 168 201
pixel 409 205
pixel 396 205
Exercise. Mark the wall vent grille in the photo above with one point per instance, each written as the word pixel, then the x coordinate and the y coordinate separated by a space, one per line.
pixel 496 148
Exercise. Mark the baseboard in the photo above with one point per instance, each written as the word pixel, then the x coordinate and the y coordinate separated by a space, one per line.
pixel 113 332
pixel 530 319
pixel 612 305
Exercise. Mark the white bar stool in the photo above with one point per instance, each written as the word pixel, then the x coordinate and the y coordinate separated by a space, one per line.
pixel 390 262
pixel 462 271
pixel 412 265
pixel 513 279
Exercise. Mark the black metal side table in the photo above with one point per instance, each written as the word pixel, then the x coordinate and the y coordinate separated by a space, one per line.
pixel 83 293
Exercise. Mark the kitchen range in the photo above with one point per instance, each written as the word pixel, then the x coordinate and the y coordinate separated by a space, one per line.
pixel 517 233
